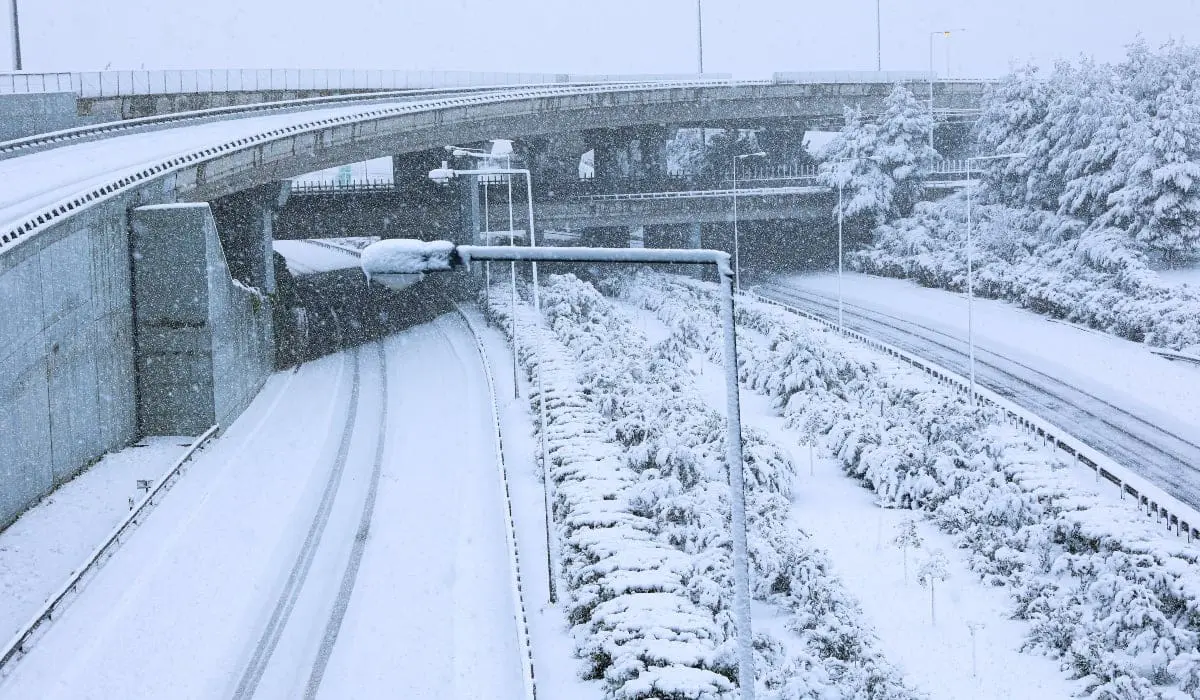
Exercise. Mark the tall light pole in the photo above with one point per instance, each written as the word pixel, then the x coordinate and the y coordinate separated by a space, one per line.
pixel 699 38
pixel 878 39
pixel 733 426
pixel 971 267
pixel 945 33
pixel 460 152
pixel 840 216
pixel 445 174
pixel 737 258
pixel 16 37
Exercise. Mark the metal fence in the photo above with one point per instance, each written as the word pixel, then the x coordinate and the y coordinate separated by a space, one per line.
pixel 173 82
pixel 121 83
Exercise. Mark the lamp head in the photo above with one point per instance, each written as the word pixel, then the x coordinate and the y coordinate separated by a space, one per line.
pixel 442 175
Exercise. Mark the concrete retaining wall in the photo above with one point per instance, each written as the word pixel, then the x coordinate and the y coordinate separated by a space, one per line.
pixel 28 114
pixel 66 355
pixel 205 342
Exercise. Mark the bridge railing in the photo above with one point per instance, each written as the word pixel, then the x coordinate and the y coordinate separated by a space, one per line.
pixel 309 187
pixel 92 84
pixel 121 83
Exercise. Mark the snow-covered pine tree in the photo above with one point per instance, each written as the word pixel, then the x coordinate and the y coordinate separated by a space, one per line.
pixel 1086 120
pixel 902 148
pixel 849 163
pixel 1013 111
pixel 907 537
pixel 1160 202
pixel 935 568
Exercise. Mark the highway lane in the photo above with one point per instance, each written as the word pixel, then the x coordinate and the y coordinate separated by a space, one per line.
pixel 1134 440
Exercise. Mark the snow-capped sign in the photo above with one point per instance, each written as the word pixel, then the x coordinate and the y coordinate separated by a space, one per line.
pixel 406 256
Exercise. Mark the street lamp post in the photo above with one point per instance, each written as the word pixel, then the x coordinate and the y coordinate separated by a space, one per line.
pixel 945 33
pixel 699 38
pixel 733 426
pixel 445 174
pixel 971 268
pixel 737 257
pixel 444 177
pixel 16 37
pixel 840 216
pixel 878 39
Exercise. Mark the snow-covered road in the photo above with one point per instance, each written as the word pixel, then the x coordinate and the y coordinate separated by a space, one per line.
pixel 1154 441
pixel 306 257
pixel 35 181
pixel 308 553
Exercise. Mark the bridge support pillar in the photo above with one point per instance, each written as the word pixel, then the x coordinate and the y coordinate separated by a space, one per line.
pixel 246 222
pixel 425 209
pixel 204 344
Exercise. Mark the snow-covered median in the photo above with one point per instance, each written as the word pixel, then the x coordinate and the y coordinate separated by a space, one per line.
pixel 1102 589
pixel 636 460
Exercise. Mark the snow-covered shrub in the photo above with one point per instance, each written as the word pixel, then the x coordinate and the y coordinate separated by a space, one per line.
pixel 1046 262
pixel 627 589
pixel 1101 588
pixel 673 493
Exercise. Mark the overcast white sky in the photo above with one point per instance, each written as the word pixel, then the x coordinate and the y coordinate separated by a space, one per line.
pixel 746 37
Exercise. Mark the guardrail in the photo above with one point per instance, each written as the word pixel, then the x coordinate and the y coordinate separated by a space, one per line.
pixel 123 83
pixel 16 647
pixel 703 194
pixel 333 187
pixel 510 530
pixel 93 84
pixel 1176 514
pixel 102 192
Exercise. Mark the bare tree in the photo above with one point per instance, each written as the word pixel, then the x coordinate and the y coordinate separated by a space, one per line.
pixel 907 537
pixel 931 571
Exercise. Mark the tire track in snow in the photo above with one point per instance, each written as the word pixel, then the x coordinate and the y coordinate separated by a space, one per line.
pixel 342 602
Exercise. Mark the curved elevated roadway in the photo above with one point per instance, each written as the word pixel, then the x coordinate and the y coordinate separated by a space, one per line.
pixel 1139 442
pixel 195 162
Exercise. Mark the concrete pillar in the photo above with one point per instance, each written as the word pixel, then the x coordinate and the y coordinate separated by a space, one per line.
pixel 424 209
pixel 652 144
pixel 606 143
pixel 637 237
pixel 245 222
pixel 203 344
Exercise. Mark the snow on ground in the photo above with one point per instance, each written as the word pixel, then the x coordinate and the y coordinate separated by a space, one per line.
pixel 1189 277
pixel 309 258
pixel 49 542
pixel 843 520
pixel 185 603
pixel 558 670
pixel 432 615
pixel 122 636
pixel 1100 585
pixel 1120 371
pixel 374 170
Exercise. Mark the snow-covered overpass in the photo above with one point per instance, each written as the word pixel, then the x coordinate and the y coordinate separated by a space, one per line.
pixel 73 355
